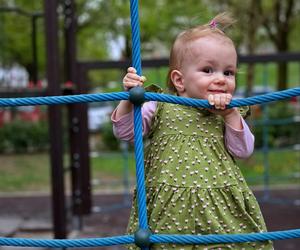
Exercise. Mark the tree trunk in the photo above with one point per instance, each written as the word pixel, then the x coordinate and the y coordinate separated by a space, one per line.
pixel 254 21
pixel 250 79
pixel 282 76
pixel 282 80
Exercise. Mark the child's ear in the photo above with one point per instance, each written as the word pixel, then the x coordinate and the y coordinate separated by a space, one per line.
pixel 177 80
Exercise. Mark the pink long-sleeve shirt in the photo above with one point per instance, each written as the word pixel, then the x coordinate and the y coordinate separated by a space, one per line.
pixel 239 143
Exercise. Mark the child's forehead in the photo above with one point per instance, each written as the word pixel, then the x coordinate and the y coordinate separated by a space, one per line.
pixel 210 45
pixel 210 49
pixel 210 41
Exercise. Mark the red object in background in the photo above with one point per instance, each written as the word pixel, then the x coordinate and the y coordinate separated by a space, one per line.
pixel 294 99
pixel 68 84
pixel 23 113
pixel 5 116
pixel 31 84
pixel 30 114
pixel 26 114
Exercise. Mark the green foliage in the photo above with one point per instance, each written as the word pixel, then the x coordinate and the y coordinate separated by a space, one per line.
pixel 20 137
pixel 16 31
pixel 284 167
pixel 280 135
pixel 109 140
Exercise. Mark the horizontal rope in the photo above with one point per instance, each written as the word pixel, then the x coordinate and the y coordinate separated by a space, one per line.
pixel 67 99
pixel 274 96
pixel 155 238
pixel 91 242
pixel 228 238
pixel 149 96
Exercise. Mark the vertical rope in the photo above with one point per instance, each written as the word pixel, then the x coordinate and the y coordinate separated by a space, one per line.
pixel 140 175
pixel 138 135
pixel 135 37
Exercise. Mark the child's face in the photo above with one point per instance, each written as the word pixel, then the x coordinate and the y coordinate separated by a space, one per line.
pixel 208 67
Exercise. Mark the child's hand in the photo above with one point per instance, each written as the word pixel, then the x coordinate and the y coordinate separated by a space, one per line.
pixel 219 101
pixel 132 79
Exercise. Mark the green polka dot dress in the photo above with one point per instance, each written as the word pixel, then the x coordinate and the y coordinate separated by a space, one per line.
pixel 193 185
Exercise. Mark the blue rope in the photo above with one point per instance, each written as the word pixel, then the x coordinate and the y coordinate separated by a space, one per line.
pixel 135 31
pixel 155 238
pixel 139 161
pixel 149 96
pixel 275 96
pixel 139 153
pixel 68 99
pixel 92 242
pixel 228 238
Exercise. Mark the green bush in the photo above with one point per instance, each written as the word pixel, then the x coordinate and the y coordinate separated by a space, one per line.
pixel 109 140
pixel 279 135
pixel 21 137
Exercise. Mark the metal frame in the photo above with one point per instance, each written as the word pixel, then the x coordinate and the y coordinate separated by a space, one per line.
pixel 55 122
pixel 77 117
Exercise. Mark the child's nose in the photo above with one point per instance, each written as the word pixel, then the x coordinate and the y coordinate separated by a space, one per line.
pixel 220 78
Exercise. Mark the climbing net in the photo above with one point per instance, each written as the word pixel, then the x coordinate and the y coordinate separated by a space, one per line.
pixel 143 236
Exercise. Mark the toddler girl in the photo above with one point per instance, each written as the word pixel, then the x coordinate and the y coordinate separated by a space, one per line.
pixel 193 184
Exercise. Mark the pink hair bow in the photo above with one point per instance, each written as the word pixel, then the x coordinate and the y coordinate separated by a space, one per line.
pixel 213 24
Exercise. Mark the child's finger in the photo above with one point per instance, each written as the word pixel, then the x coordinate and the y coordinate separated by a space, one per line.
pixel 211 100
pixel 133 76
pixel 131 70
pixel 222 101
pixel 228 99
pixel 217 101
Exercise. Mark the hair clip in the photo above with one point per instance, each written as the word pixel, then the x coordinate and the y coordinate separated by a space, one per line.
pixel 213 24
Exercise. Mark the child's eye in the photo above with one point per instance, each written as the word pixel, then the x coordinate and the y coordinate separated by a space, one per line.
pixel 229 73
pixel 207 70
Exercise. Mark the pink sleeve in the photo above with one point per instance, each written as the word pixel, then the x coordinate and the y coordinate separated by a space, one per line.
pixel 240 143
pixel 123 127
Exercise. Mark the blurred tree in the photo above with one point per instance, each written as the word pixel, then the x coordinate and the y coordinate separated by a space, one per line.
pixel 16 33
pixel 110 22
pixel 264 22
pixel 104 26
pixel 279 18
pixel 159 22
pixel 248 24
pixel 254 20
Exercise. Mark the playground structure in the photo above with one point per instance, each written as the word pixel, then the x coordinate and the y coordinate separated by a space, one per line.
pixel 77 73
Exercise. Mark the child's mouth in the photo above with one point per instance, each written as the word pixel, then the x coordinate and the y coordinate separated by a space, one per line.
pixel 217 91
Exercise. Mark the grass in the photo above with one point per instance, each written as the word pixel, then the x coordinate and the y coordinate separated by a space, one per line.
pixel 284 168
pixel 24 172
pixel 31 172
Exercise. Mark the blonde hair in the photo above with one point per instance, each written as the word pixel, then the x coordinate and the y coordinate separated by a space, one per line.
pixel 216 26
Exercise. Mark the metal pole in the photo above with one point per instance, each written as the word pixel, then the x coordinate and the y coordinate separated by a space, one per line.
pixel 79 146
pixel 55 122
